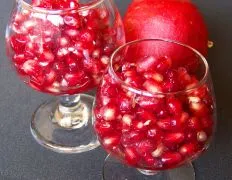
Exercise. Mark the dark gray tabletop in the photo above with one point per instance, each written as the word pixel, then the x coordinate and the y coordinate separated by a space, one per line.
pixel 21 158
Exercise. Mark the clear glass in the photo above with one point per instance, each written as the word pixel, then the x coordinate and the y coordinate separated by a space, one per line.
pixel 155 110
pixel 63 49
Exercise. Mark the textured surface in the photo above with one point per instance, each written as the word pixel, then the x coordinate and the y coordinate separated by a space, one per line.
pixel 21 158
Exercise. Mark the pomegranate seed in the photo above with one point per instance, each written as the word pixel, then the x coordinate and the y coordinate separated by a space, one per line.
pixel 168 123
pixel 87 36
pixel 174 106
pixel 71 20
pixel 30 67
pixel 150 161
pixel 145 147
pixel 63 41
pixel 76 79
pixel 103 128
pixel 127 119
pixel 152 86
pixel 169 159
pixel 105 60
pixel 173 138
pixel 125 103
pixel 147 63
pixel 18 42
pixel 139 125
pixel 164 64
pixel 146 115
pixel 158 151
pixel 19 58
pixel 154 76
pixel 201 136
pixel 183 76
pixel 109 112
pixel 111 141
pixel 131 156
pixel 46 58
pixel 149 102
pixel 154 133
pixel 131 137
pixel 188 149
pixel 198 108
pixel 207 123
pixel 73 33
pixel 194 123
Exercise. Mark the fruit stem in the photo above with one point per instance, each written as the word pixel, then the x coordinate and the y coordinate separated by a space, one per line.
pixel 70 113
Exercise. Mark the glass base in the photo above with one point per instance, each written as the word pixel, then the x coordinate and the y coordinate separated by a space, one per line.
pixel 58 133
pixel 114 170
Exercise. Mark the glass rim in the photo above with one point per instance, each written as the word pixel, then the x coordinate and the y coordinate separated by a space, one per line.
pixel 146 93
pixel 29 7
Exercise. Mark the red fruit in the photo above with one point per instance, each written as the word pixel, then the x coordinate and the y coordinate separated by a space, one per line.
pixel 151 161
pixel 174 106
pixel 18 42
pixel 202 136
pixel 30 67
pixel 111 141
pixel 207 123
pixel 125 103
pixel 165 63
pixel 152 86
pixel 146 64
pixel 72 20
pixel 131 156
pixel 103 128
pixel 146 116
pixel 188 149
pixel 131 137
pixel 169 159
pixel 149 102
pixel 194 123
pixel 109 112
pixel 46 58
pixel 173 138
pixel 154 133
pixel 169 123
pixel 145 147
pixel 76 79
pixel 178 20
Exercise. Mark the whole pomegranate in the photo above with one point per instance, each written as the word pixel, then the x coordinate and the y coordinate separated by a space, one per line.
pixel 177 20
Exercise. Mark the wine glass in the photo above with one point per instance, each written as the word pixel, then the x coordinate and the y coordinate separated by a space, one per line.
pixel 63 48
pixel 155 110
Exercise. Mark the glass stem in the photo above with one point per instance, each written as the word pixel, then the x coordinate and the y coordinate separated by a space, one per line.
pixel 70 112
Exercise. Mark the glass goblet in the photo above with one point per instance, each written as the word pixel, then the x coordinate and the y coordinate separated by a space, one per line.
pixel 63 48
pixel 155 110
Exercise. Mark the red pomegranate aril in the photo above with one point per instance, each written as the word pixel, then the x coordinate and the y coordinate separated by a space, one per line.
pixel 18 42
pixel 103 128
pixel 127 120
pixel 63 41
pixel 125 103
pixel 146 64
pixel 202 136
pixel 149 102
pixel 199 108
pixel 111 141
pixel 134 81
pixel 131 156
pixel 105 60
pixel 73 33
pixel 145 147
pixel 109 112
pixel 50 77
pixel 162 112
pixel 188 149
pixel 154 134
pixel 30 67
pixel 150 161
pixel 207 123
pixel 131 137
pixel 139 125
pixel 168 123
pixel 174 106
pixel 19 58
pixel 183 76
pixel 146 115
pixel 154 76
pixel 158 151
pixel 164 64
pixel 152 86
pixel 87 36
pixel 46 58
pixel 72 20
pixel 194 123
pixel 173 138
pixel 169 159
pixel 96 53
pixel 74 79
pixel 73 63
